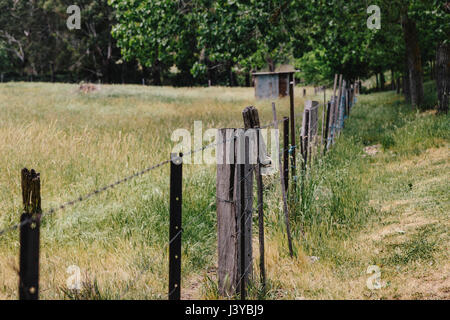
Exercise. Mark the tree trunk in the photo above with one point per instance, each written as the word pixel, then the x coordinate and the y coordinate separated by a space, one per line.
pixel 231 75
pixel 378 82
pixel 406 87
pixel 443 76
pixel 382 80
pixel 156 73
pixel 247 79
pixel 398 85
pixel 414 61
pixel 392 80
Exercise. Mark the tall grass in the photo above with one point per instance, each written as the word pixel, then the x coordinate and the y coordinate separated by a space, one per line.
pixel 80 142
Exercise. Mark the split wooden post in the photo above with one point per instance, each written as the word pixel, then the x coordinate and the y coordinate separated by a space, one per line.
pixel 286 152
pixel 292 118
pixel 175 229
pixel 283 190
pixel 342 104
pixel 242 215
pixel 333 108
pixel 305 138
pixel 227 228
pixel 234 192
pixel 30 236
pixel 251 121
pixel 336 109
pixel 327 127
pixel 262 266
pixel 323 113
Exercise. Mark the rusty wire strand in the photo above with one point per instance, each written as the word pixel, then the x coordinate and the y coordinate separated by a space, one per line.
pixel 110 186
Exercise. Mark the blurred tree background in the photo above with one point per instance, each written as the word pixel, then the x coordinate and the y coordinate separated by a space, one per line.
pixel 220 42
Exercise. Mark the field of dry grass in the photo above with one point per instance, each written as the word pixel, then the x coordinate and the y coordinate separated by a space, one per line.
pixel 79 142
pixel 390 209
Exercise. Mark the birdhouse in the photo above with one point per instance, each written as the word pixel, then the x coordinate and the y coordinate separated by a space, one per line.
pixel 272 85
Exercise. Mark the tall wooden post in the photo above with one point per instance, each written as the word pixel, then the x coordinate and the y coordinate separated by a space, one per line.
pixel 286 152
pixel 333 107
pixel 292 117
pixel 336 109
pixel 327 127
pixel 251 122
pixel 305 137
pixel 260 185
pixel 30 236
pixel 227 229
pixel 324 112
pixel 283 190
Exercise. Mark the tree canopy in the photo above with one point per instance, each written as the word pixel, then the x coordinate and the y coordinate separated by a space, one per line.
pixel 201 42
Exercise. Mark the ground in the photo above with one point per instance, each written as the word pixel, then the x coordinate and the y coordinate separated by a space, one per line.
pixel 379 197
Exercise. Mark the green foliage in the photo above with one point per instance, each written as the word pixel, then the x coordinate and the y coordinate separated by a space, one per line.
pixel 220 41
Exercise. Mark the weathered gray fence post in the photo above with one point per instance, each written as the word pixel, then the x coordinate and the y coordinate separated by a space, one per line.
pixel 292 118
pixel 29 236
pixel 327 127
pixel 304 137
pixel 283 188
pixel 251 121
pixel 234 192
pixel 227 229
pixel 286 152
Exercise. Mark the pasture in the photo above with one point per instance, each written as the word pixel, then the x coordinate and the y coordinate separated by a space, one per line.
pixel 80 142
pixel 354 210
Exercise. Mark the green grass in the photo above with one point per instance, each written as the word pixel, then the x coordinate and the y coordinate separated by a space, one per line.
pixel 342 203
pixel 80 142
pixel 345 210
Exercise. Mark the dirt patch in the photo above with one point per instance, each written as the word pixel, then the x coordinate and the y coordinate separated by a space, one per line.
pixel 433 285
pixel 88 87
pixel 372 150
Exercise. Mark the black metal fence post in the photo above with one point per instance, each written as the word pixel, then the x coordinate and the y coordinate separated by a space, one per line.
pixel 176 187
pixel 29 236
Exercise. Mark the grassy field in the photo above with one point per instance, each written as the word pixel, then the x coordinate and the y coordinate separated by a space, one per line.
pixel 356 210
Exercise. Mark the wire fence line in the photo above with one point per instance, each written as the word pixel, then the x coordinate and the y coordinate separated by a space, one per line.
pixel 113 185
pixel 242 210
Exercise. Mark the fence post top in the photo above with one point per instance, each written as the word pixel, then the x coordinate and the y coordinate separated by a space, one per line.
pixel 176 158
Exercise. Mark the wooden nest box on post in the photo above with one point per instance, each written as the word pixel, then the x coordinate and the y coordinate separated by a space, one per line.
pixel 272 85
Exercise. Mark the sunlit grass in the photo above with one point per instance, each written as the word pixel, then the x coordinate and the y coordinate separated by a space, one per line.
pixel 345 211
pixel 80 142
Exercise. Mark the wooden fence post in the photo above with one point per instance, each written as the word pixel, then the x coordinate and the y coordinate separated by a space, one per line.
pixel 333 107
pixel 175 229
pixel 292 118
pixel 327 127
pixel 337 108
pixel 251 121
pixel 234 207
pixel 305 138
pixel 227 229
pixel 242 219
pixel 283 190
pixel 259 181
pixel 324 113
pixel 29 236
pixel 286 152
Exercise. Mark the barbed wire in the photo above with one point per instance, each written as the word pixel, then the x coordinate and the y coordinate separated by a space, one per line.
pixel 83 198
pixel 113 185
